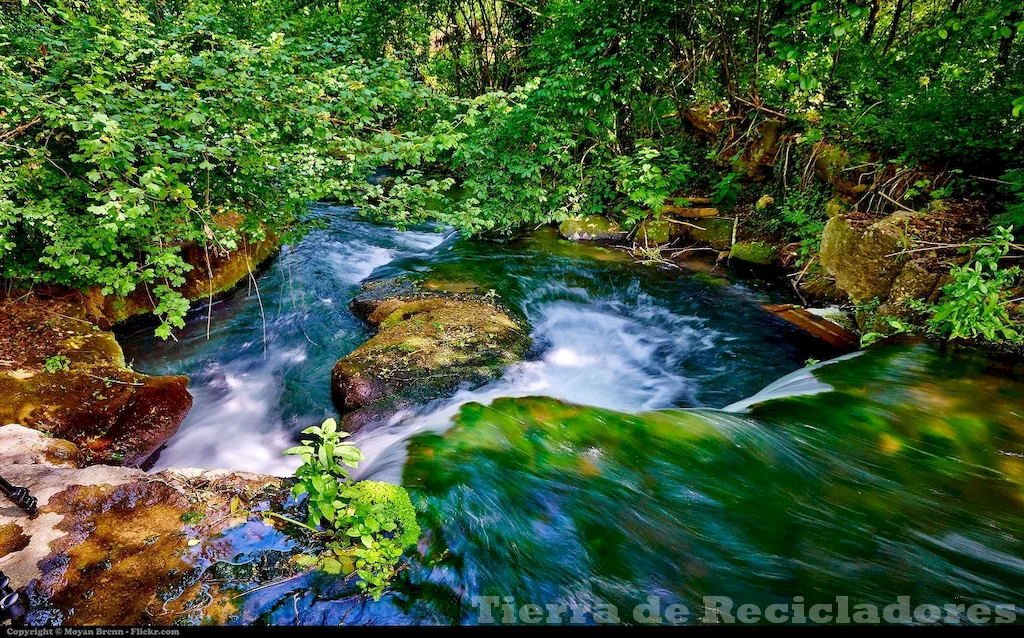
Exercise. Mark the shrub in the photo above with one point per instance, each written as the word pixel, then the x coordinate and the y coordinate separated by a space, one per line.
pixel 369 524
pixel 973 305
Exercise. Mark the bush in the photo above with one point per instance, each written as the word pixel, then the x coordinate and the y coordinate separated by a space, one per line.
pixel 973 305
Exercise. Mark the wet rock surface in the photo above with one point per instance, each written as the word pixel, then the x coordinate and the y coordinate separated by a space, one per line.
pixel 754 252
pixel 61 375
pixel 427 345
pixel 594 227
pixel 115 546
pixel 213 273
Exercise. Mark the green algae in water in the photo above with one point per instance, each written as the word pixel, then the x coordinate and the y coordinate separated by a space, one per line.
pixel 899 482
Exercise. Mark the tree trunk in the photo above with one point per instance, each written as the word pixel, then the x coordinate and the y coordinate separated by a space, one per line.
pixel 869 31
pixel 895 27
pixel 1006 44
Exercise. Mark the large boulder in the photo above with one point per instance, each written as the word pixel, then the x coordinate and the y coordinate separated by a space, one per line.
pixel 426 346
pixel 61 375
pixel 865 261
pixel 115 546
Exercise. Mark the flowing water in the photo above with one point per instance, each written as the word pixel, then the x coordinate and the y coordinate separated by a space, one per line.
pixel 576 480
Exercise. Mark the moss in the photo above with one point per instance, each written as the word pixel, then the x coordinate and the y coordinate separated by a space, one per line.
pixel 228 270
pixel 754 252
pixel 709 279
pixel 397 507
pixel 12 539
pixel 426 346
pixel 654 231
pixel 716 233
pixel 590 228
pixel 192 517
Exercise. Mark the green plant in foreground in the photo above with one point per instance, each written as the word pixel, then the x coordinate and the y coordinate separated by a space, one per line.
pixel 57 363
pixel 369 524
pixel 973 305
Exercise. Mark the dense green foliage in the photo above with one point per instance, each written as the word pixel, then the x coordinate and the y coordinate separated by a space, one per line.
pixel 125 136
pixel 974 302
pixel 603 84
pixel 131 127
pixel 369 524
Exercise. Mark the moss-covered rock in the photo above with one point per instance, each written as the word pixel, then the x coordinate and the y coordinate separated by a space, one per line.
pixel 715 232
pixel 865 261
pixel 116 546
pixel 755 252
pixel 593 227
pixel 61 375
pixel 915 283
pixel 427 344
pixel 654 232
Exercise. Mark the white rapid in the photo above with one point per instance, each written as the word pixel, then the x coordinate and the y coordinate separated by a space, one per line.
pixel 605 333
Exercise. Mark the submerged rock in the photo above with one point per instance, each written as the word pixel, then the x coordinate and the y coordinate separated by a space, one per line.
pixel 115 546
pixel 61 375
pixel 426 346
pixel 594 227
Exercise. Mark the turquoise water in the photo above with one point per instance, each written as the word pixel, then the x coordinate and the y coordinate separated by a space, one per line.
pixel 632 455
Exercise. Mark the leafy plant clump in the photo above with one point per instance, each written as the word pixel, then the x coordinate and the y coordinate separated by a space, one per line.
pixel 368 524
pixel 973 304
pixel 57 363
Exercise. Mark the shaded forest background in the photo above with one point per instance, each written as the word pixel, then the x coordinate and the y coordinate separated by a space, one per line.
pixel 129 128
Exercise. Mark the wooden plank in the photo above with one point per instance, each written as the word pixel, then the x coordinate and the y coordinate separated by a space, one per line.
pixel 820 327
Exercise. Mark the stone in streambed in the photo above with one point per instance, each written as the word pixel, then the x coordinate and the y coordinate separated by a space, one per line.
pixel 426 346
pixel 654 232
pixel 714 232
pixel 754 252
pixel 593 227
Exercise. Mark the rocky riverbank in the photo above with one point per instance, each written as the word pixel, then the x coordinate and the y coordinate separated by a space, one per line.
pixel 63 375
pixel 875 268
pixel 117 546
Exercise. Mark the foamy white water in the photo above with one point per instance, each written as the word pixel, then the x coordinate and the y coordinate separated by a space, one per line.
pixel 614 336
pixel 236 421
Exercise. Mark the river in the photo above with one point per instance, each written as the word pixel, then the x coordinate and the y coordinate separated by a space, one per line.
pixel 631 454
